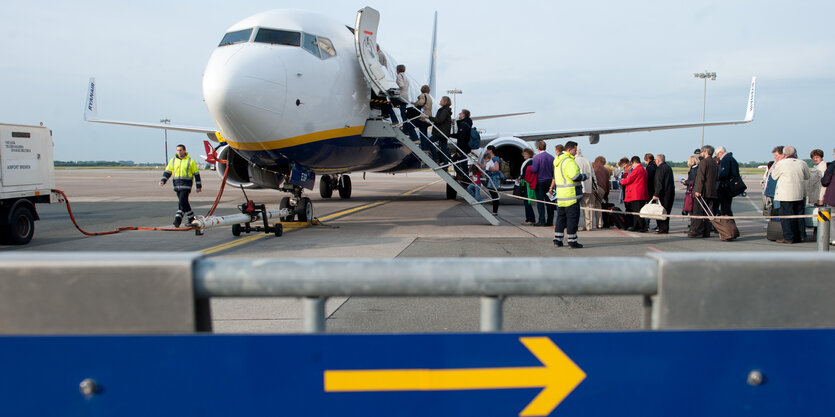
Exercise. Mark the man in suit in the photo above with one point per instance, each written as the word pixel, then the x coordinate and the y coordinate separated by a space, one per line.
pixel 728 170
pixel 664 190
pixel 704 188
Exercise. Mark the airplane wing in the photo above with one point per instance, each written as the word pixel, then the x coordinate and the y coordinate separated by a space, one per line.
pixel 91 114
pixel 594 134
pixel 496 116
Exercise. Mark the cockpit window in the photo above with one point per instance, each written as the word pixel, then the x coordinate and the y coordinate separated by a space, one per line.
pixel 279 37
pixel 237 36
pixel 310 45
pixel 326 47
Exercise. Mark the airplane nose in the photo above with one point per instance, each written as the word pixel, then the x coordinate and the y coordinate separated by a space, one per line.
pixel 245 90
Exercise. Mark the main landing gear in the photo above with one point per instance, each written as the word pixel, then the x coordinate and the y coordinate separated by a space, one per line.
pixel 301 208
pixel 340 183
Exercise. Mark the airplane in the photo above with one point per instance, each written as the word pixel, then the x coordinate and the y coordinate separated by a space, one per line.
pixel 291 92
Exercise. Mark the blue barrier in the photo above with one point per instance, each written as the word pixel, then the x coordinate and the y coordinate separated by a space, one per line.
pixel 646 373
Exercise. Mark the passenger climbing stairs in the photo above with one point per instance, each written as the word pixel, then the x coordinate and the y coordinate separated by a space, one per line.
pixel 381 128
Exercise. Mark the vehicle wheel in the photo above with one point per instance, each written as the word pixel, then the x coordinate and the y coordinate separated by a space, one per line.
pixel 344 187
pixel 236 230
pixel 305 210
pixel 285 203
pixel 326 186
pixel 451 194
pixel 22 226
pixel 279 230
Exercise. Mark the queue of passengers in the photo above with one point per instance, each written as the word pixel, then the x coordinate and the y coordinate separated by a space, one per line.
pixel 712 183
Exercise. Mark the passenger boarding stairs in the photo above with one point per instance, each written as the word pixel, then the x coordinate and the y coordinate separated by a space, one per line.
pixel 380 128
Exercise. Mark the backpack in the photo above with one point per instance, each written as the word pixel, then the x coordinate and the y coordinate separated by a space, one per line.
pixel 475 138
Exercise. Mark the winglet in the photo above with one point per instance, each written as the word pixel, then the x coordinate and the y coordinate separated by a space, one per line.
pixel 749 113
pixel 433 57
pixel 91 111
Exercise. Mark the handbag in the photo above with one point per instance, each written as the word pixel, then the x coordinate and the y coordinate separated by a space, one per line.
pixel 735 186
pixel 519 190
pixel 688 202
pixel 653 210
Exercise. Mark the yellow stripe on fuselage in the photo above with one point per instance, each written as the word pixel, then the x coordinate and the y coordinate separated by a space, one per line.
pixel 297 140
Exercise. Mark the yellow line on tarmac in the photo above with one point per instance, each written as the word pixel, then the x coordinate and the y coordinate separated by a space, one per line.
pixel 353 210
pixel 232 244
pixel 301 225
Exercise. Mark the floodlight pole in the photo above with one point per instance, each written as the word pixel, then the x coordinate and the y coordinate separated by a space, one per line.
pixel 705 75
pixel 166 121
pixel 455 94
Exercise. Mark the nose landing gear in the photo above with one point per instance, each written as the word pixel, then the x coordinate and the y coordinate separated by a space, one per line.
pixel 300 207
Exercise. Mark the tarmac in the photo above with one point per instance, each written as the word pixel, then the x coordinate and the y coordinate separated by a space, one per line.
pixel 388 216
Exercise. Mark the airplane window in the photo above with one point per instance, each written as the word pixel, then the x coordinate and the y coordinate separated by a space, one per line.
pixel 327 48
pixel 237 36
pixel 309 44
pixel 279 37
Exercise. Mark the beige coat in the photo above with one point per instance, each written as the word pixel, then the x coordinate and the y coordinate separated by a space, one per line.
pixel 791 175
pixel 425 100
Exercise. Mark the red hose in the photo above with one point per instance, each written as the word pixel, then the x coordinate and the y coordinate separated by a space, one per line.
pixel 161 229
pixel 220 192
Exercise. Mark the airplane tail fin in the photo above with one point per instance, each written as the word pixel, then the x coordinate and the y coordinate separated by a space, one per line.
pixel 749 113
pixel 433 56
pixel 211 153
pixel 91 111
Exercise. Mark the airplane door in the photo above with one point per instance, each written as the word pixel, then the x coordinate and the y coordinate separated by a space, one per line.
pixel 365 40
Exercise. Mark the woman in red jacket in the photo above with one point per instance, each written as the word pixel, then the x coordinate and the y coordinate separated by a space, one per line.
pixel 636 194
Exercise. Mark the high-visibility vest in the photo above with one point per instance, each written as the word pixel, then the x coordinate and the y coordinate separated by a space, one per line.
pixel 181 169
pixel 566 172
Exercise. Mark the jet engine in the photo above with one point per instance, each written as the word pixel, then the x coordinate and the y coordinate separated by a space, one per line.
pixel 509 149
pixel 245 173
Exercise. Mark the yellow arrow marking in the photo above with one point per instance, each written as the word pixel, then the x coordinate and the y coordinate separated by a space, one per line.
pixel 559 376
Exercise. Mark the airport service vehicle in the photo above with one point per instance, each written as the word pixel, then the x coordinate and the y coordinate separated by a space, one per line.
pixel 27 177
pixel 295 94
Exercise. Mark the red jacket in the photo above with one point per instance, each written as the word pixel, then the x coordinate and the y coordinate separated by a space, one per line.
pixel 635 185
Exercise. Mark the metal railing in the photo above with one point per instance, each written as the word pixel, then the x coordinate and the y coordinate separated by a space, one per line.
pixel 124 283
pixel 491 279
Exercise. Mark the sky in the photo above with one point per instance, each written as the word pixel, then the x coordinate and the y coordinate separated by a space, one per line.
pixel 577 65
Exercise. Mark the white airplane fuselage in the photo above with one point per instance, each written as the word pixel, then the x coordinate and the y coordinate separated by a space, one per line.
pixel 277 104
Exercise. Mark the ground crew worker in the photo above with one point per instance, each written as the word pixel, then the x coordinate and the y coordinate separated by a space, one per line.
pixel 568 182
pixel 183 168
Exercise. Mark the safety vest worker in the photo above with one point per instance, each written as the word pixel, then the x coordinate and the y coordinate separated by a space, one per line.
pixel 569 191
pixel 183 168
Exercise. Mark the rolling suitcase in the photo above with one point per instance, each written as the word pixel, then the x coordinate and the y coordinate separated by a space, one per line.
pixel 725 227
pixel 607 217
pixel 774 230
pixel 618 219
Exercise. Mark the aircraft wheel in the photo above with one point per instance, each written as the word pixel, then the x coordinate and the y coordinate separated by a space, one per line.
pixel 236 230
pixel 451 194
pixel 344 187
pixel 305 210
pixel 326 186
pixel 22 226
pixel 285 203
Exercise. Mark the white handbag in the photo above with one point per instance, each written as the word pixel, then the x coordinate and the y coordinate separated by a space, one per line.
pixel 653 210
